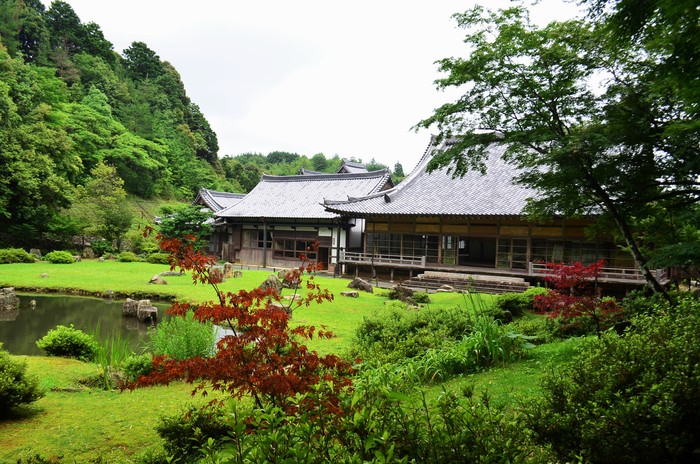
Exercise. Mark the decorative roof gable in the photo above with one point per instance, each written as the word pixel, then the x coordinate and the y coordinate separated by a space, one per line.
pixel 217 201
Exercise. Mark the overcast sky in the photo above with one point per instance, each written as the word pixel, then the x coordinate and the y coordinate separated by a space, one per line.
pixel 305 76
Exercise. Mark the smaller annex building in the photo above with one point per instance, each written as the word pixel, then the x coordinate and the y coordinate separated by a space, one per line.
pixel 474 224
pixel 283 215
pixel 216 201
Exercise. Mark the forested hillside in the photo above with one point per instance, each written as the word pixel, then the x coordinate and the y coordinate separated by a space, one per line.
pixel 70 105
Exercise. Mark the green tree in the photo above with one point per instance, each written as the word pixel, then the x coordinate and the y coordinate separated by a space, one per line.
pixel 539 92
pixel 101 205
pixel 319 162
pixel 141 62
pixel 187 220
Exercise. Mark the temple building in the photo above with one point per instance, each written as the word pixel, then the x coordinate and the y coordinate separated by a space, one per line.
pixel 283 215
pixel 432 221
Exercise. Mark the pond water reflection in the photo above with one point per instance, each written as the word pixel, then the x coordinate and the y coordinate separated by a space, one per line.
pixel 21 328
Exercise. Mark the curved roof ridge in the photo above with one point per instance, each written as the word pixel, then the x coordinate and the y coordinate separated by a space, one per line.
pixel 420 167
pixel 325 176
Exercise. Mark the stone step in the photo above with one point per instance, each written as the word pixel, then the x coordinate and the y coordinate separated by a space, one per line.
pixel 490 284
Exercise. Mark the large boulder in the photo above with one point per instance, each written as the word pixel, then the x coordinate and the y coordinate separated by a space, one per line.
pixel 272 282
pixel 130 308
pixel 8 299
pixel 361 284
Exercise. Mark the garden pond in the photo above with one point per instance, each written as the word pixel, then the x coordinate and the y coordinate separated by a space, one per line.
pixel 37 314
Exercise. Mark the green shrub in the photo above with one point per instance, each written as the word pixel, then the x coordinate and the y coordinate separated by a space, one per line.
pixel 377 423
pixel 15 255
pixel 489 344
pixel 186 431
pixel 128 257
pixel 517 303
pixel 182 338
pixel 540 328
pixel 421 297
pixel 59 257
pixel 158 258
pixel 135 366
pixel 631 398
pixel 396 333
pixel 16 387
pixel 69 342
pixel 100 247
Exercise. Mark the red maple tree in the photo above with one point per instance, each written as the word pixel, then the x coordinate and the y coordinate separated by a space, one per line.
pixel 262 356
pixel 575 297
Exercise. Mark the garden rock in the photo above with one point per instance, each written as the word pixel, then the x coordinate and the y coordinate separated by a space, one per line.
pixel 361 284
pixel 446 289
pixel 88 253
pixel 130 308
pixel 35 252
pixel 288 281
pixel 77 258
pixel 147 313
pixel 272 282
pixel 286 308
pixel 350 294
pixel 8 299
pixel 108 294
pixel 228 270
pixel 402 293
pixel 157 280
pixel 44 275
pixel 237 274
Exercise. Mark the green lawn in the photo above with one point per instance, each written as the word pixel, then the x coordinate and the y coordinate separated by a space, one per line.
pixel 85 424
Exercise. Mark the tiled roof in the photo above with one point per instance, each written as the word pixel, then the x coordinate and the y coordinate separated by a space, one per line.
pixel 352 167
pixel 302 196
pixel 438 193
pixel 217 201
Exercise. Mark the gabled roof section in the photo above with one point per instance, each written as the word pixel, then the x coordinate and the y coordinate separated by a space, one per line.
pixel 352 167
pixel 438 193
pixel 301 196
pixel 217 201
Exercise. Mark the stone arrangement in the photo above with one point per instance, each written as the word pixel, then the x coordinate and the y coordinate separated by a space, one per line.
pixel 140 309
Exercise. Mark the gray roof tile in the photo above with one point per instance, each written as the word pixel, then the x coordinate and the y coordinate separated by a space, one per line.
pixel 438 193
pixel 302 196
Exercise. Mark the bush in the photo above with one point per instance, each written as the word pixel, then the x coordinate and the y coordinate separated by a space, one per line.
pixel 15 255
pixel 16 387
pixel 631 398
pixel 377 423
pixel 59 257
pixel 539 328
pixel 421 297
pixel 185 432
pixel 517 303
pixel 100 247
pixel 128 257
pixel 158 258
pixel 397 333
pixel 182 337
pixel 489 344
pixel 137 365
pixel 69 342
